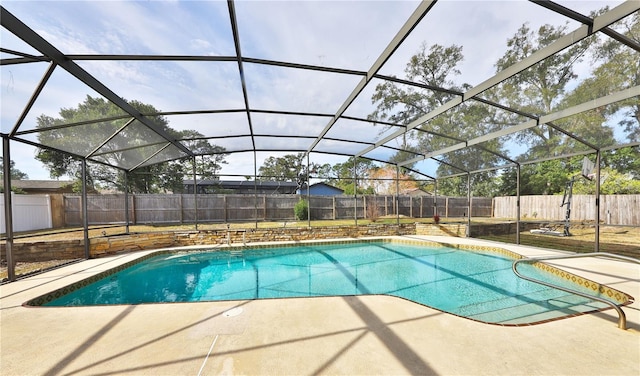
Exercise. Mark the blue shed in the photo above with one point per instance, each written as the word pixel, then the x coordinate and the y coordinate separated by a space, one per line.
pixel 321 189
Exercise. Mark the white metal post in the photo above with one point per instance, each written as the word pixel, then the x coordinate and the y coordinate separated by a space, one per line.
pixel 518 204
pixel 195 191
pixel 308 193
pixel 85 212
pixel 355 190
pixel 8 209
pixel 126 202
pixel 597 239
pixel 468 204
pixel 397 194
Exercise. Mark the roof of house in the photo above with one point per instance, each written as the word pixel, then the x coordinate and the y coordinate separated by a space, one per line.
pixel 242 183
pixel 418 192
pixel 323 184
pixel 40 184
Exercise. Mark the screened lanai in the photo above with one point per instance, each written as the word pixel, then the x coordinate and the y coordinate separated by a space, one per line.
pixel 438 89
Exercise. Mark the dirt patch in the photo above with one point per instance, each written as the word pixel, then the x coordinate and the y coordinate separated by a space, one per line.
pixel 613 239
pixel 24 269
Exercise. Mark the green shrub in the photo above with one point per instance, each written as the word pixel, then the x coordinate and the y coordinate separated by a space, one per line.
pixel 301 210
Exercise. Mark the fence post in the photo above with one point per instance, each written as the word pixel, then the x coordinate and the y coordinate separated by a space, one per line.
pixel 224 204
pixel 355 208
pixel 411 206
pixel 364 205
pixel 334 207
pixel 386 212
pixel 49 212
pixel 134 220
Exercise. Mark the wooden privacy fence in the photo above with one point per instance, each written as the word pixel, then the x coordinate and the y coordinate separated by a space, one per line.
pixel 176 208
pixel 614 209
pixel 172 209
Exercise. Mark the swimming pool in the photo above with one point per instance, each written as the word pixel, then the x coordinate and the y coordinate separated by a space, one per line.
pixel 474 283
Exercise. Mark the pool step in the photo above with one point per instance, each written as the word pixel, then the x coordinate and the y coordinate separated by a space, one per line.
pixel 530 310
pixel 505 302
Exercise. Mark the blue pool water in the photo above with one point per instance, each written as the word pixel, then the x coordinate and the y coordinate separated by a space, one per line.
pixel 478 285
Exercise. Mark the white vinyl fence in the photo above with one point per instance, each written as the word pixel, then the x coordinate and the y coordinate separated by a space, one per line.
pixel 30 212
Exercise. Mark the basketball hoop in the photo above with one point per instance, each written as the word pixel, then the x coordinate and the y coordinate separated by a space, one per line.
pixel 587 169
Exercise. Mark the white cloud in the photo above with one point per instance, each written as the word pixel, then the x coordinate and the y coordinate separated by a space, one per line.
pixel 24 158
pixel 200 45
pixel 346 34
pixel 297 90
pixel 17 85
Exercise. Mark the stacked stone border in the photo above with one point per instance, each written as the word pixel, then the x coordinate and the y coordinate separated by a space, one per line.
pixel 35 251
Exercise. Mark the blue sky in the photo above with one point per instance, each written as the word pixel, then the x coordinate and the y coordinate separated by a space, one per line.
pixel 339 34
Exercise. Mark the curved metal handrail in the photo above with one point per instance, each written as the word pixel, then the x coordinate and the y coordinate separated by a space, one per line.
pixel 622 318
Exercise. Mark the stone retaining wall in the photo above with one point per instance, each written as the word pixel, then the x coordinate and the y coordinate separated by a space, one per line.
pixel 291 234
pixel 131 242
pixel 477 230
pixel 74 249
pixel 44 251
pixel 449 229
pixel 500 228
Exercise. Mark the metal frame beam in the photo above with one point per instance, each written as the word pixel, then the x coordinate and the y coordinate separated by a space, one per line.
pixel 413 20
pixel 236 43
pixel 13 24
pixel 567 40
pixel 570 13
pixel 67 62
pixel 32 100
pixel 546 119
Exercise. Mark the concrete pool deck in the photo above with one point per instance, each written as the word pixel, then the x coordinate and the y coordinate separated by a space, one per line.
pixel 355 335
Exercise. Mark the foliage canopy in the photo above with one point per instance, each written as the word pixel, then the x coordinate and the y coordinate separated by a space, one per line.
pixel 99 138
